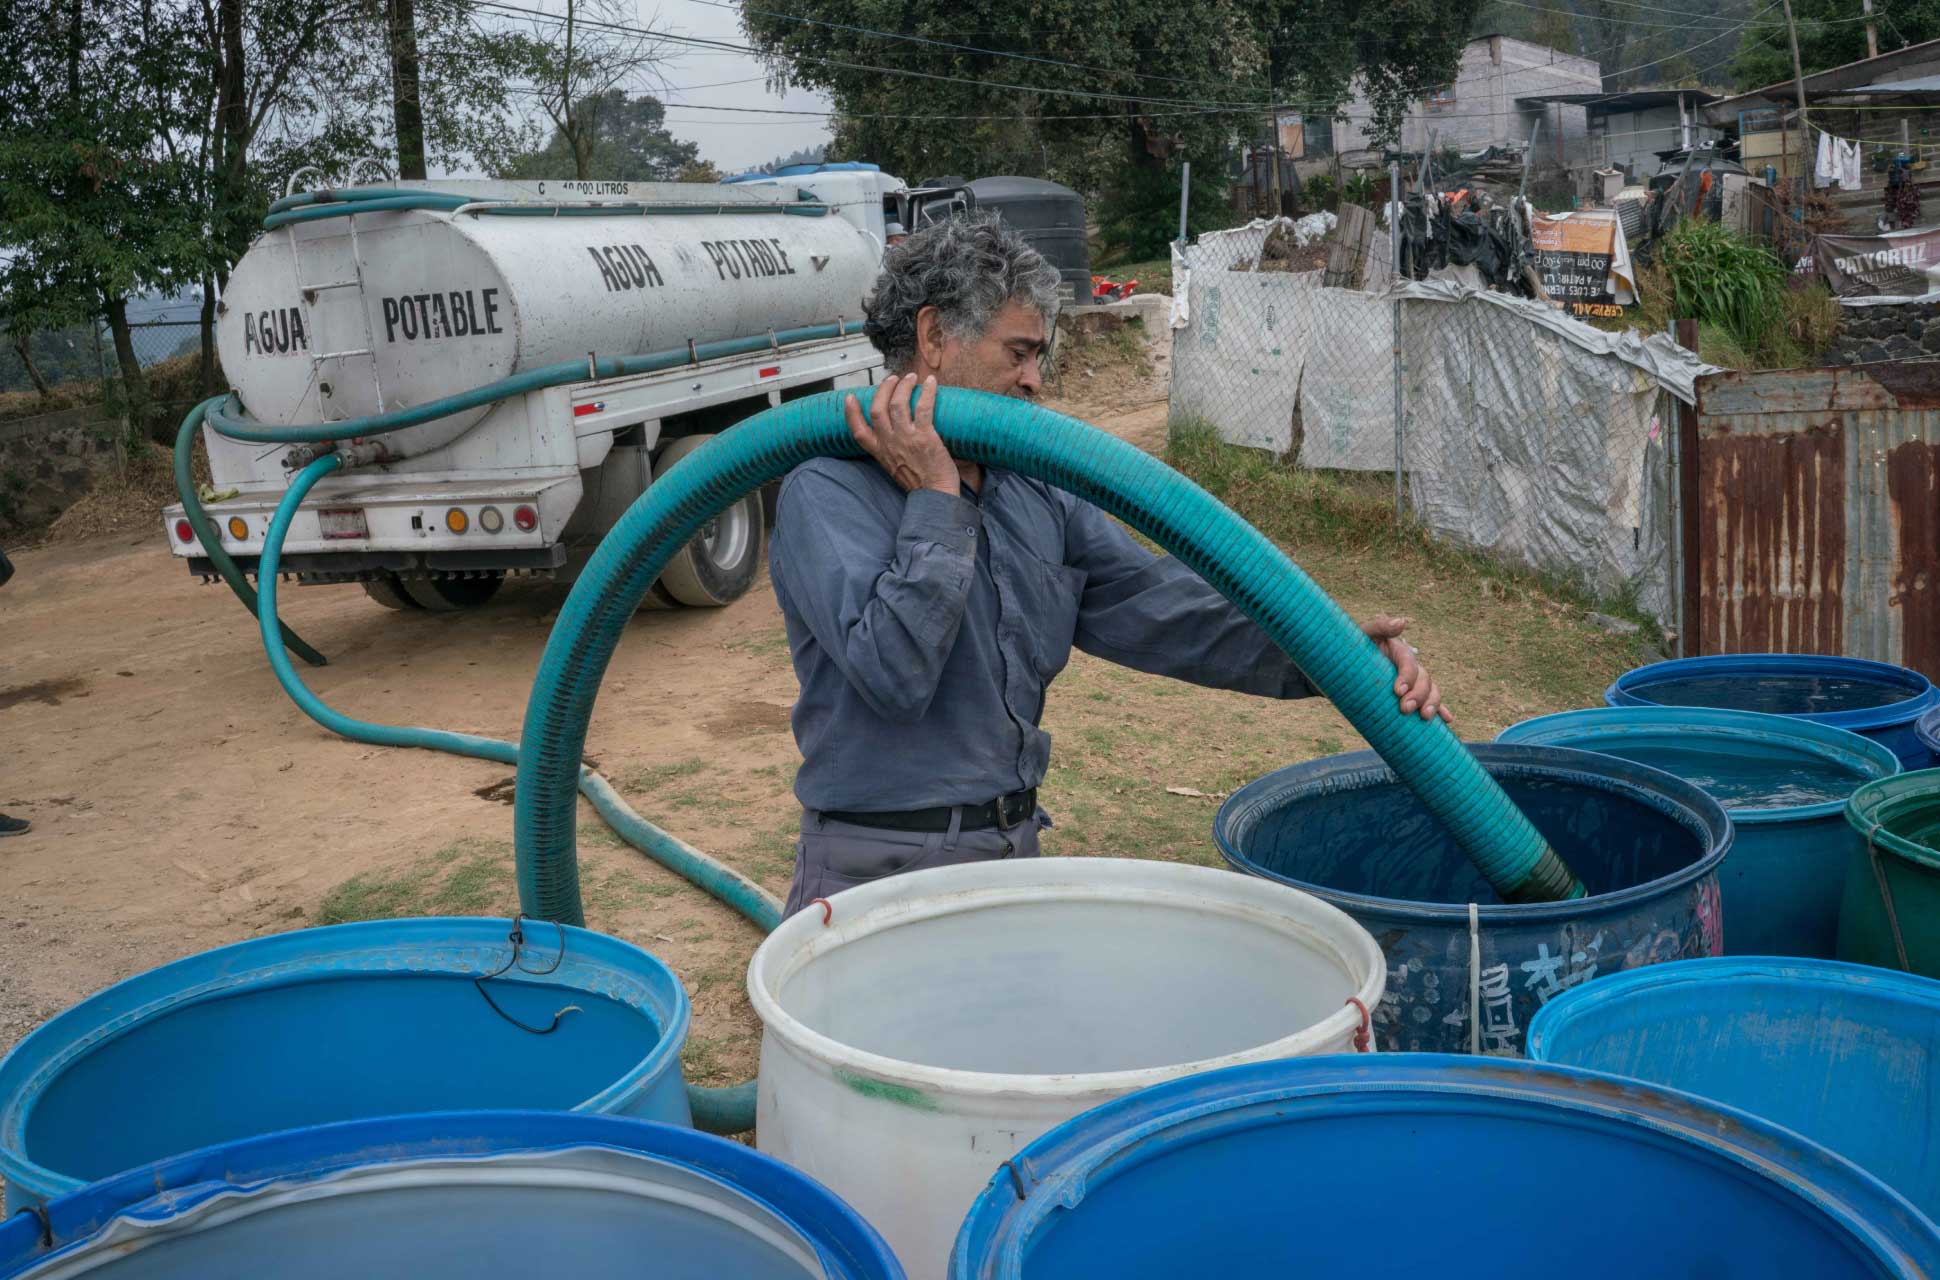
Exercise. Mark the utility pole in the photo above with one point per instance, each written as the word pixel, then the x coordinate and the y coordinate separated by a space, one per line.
pixel 1272 127
pixel 1872 32
pixel 1798 84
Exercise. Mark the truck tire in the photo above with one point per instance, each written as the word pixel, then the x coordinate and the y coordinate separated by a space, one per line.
pixel 449 595
pixel 721 562
pixel 389 592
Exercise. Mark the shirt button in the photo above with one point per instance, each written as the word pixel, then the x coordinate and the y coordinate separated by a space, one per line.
pixel 969 531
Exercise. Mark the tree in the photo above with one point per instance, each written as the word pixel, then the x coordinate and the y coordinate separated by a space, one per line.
pixel 624 139
pixel 1828 37
pixel 1096 93
pixel 698 171
pixel 94 206
pixel 579 64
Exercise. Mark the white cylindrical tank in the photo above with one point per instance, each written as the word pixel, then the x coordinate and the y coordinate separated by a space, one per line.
pixel 938 1021
pixel 324 320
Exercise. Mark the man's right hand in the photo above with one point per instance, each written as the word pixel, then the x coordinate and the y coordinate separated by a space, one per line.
pixel 905 444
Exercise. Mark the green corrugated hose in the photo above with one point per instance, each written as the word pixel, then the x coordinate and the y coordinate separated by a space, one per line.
pixel 317 206
pixel 729 1110
pixel 1139 489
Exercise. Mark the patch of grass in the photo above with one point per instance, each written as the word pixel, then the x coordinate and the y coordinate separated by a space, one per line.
pixel 467 878
pixel 654 776
pixel 768 642
pixel 1350 512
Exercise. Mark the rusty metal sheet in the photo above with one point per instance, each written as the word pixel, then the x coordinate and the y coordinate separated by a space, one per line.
pixel 1883 387
pixel 1820 505
pixel 1913 481
pixel 1773 559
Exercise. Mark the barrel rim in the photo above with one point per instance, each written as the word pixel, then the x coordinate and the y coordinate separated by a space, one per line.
pixel 1557 1015
pixel 1863 814
pixel 893 901
pixel 1922 696
pixel 845 1242
pixel 1823 741
pixel 1052 1174
pixel 1713 823
pixel 47 1052
pixel 1927 730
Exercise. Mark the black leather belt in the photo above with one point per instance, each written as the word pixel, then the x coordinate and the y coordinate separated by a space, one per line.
pixel 1003 813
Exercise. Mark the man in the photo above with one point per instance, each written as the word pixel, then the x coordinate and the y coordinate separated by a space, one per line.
pixel 930 602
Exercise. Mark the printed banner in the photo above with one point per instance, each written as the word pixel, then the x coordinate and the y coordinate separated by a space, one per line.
pixel 1583 261
pixel 1897 264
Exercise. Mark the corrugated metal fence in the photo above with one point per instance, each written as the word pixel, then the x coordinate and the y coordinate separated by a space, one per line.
pixel 1819 512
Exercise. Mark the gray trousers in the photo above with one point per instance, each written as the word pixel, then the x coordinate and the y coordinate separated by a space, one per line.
pixel 832 856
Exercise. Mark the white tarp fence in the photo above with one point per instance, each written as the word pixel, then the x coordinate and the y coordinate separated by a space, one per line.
pixel 1524 433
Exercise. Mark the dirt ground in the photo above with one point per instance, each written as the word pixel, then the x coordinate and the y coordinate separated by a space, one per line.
pixel 180 801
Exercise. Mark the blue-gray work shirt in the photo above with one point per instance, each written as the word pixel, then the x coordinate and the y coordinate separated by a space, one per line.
pixel 925 628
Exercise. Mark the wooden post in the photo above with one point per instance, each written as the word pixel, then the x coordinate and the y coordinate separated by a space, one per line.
pixel 1690 523
pixel 1798 84
pixel 1348 253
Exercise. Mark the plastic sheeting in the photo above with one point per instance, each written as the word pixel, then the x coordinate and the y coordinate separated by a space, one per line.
pixel 1526 433
pixel 1520 443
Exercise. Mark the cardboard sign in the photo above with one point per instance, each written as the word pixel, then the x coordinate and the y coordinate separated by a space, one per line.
pixel 1583 261
pixel 1897 264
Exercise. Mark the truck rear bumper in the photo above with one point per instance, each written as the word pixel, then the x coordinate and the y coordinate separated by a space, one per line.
pixel 402 524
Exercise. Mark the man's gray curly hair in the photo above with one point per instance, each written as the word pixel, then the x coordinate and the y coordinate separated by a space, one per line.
pixel 967 268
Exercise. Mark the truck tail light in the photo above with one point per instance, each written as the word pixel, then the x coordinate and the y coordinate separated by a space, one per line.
pixel 457 521
pixel 238 528
pixel 490 519
pixel 526 518
pixel 185 531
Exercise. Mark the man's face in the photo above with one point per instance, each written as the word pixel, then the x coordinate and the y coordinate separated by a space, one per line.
pixel 1003 360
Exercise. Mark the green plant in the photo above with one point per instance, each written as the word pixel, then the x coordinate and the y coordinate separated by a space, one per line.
pixel 1320 192
pixel 1360 189
pixel 1719 277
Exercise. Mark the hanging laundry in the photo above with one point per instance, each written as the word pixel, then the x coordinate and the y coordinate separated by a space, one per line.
pixel 1826 171
pixel 1849 176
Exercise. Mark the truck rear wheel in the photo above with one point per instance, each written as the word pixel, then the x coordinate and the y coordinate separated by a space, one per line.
pixel 720 563
pixel 389 592
pixel 448 595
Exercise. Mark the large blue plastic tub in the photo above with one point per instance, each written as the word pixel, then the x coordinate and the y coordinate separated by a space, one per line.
pixel 1646 845
pixel 344 1023
pixel 456 1194
pixel 1845 1054
pixel 1785 783
pixel 1927 730
pixel 1873 699
pixel 1426 1165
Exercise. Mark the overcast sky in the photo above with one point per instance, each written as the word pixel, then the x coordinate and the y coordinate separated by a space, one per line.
pixel 730 139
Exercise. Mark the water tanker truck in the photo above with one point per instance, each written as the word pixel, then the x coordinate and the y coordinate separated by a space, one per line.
pixel 360 303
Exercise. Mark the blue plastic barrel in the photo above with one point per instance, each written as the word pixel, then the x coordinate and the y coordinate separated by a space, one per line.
pixel 1846 1054
pixel 455 1194
pixel 1873 699
pixel 1927 730
pixel 343 1023
pixel 1428 1165
pixel 1646 845
pixel 1785 783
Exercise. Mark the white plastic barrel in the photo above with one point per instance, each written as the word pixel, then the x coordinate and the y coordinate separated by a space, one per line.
pixel 939 1021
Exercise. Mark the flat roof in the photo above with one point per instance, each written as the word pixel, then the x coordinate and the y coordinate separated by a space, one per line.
pixel 1632 100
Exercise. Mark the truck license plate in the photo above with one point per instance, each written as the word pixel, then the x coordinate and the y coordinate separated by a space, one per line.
pixel 345 522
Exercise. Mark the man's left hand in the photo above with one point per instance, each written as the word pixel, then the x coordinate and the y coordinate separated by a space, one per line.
pixel 1412 683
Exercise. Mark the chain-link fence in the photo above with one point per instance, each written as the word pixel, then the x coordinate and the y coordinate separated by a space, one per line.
pixel 1507 428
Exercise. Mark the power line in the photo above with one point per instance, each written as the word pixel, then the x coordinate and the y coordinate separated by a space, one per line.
pixel 945 44
pixel 500 6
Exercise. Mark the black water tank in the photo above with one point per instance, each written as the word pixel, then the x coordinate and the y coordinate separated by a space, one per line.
pixel 1051 217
